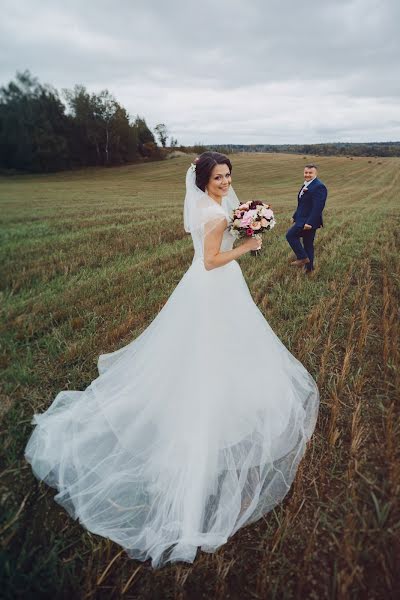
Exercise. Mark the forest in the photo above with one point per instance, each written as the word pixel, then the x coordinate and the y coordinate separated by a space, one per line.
pixel 43 130
pixel 329 149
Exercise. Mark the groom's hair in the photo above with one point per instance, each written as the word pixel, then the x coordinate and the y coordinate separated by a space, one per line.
pixel 205 164
pixel 311 166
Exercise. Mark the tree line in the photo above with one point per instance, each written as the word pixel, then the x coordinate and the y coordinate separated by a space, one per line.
pixel 42 130
pixel 327 149
pixel 39 132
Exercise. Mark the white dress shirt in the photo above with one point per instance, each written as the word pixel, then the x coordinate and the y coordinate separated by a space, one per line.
pixel 305 186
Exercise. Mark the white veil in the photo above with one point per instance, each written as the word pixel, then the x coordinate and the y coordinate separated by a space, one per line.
pixel 200 209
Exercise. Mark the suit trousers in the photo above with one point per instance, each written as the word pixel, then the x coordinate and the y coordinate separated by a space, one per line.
pixel 305 250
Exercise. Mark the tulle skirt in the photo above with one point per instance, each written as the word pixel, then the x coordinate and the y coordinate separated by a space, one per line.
pixel 191 431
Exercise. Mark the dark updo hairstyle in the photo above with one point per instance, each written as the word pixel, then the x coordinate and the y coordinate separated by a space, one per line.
pixel 205 164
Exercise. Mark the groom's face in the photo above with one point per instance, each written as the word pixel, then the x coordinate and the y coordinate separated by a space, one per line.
pixel 310 173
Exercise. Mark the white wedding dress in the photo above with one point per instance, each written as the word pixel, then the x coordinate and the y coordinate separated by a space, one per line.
pixel 191 431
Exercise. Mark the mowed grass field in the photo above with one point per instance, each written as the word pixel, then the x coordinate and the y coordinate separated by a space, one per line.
pixel 88 259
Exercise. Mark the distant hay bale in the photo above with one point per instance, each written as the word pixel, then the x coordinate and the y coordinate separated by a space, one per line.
pixel 175 154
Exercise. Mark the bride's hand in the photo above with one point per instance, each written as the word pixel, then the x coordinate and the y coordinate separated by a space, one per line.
pixel 252 243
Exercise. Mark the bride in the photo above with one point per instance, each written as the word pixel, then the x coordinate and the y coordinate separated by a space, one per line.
pixel 195 428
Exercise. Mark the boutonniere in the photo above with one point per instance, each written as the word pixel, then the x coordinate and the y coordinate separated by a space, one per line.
pixel 303 189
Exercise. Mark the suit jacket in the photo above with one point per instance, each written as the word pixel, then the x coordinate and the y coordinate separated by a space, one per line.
pixel 311 204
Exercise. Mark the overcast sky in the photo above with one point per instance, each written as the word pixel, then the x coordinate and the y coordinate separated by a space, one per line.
pixel 221 71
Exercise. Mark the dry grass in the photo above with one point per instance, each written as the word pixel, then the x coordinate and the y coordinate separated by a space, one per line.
pixel 80 278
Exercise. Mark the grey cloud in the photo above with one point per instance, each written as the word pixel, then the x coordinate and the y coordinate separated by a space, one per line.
pixel 204 67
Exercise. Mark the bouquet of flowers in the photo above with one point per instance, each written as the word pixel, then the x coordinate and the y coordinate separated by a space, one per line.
pixel 251 219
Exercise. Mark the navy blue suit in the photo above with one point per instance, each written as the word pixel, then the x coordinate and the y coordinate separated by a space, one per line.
pixel 309 210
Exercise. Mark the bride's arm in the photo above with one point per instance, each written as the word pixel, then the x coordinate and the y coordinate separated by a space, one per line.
pixel 213 258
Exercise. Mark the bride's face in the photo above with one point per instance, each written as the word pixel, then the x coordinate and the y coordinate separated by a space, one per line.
pixel 220 181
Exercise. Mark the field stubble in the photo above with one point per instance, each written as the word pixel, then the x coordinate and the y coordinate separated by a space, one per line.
pixel 85 268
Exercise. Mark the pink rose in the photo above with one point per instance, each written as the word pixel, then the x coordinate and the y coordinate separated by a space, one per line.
pixel 246 220
pixel 268 214
pixel 264 222
pixel 249 232
pixel 243 207
pixel 256 225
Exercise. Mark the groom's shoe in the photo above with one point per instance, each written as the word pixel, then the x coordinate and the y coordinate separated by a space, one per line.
pixel 300 262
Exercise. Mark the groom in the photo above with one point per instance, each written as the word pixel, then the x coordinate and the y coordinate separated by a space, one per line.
pixel 307 218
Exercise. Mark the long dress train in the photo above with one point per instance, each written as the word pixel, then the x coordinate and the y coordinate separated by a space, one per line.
pixel 191 431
